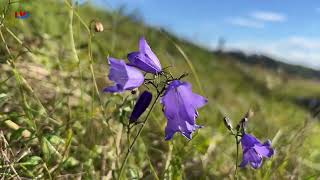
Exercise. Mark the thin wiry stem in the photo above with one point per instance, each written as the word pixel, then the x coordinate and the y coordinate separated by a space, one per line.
pixel 237 157
pixel 17 39
pixel 316 113
pixel 75 54
pixel 19 80
pixel 77 14
pixel 95 88
pixel 138 134
pixel 88 29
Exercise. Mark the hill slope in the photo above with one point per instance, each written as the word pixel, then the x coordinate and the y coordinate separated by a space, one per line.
pixel 272 64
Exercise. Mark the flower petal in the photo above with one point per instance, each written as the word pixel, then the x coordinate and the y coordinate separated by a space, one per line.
pixel 256 165
pixel 145 49
pixel 139 60
pixel 248 141
pixel 198 101
pixel 145 59
pixel 113 89
pixel 169 134
pixel 180 108
pixel 265 149
pixel 124 76
pixel 243 163
pixel 253 150
pixel 188 135
pixel 135 79
pixel 253 157
pixel 118 71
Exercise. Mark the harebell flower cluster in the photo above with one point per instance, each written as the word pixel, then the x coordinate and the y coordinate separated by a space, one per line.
pixel 252 148
pixel 180 104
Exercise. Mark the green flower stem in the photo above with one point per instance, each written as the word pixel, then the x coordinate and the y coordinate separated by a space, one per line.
pixel 137 136
pixel 237 157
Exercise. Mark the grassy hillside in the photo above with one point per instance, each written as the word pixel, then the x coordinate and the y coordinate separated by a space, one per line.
pixel 53 123
pixel 270 63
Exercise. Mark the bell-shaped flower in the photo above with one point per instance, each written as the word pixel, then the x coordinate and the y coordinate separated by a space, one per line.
pixel 125 77
pixel 140 106
pixel 145 59
pixel 180 109
pixel 254 151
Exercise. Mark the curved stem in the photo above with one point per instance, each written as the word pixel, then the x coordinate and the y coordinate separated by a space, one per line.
pixel 137 136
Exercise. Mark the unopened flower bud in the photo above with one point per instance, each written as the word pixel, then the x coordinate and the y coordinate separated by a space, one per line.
pixel 140 106
pixel 227 123
pixel 98 27
pixel 249 114
pixel 134 91
pixel 243 124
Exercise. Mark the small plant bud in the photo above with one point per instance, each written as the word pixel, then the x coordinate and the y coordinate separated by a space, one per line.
pixel 249 114
pixel 242 124
pixel 227 123
pixel 98 27
pixel 133 92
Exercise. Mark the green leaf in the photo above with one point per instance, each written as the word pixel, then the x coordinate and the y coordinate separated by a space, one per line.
pixel 70 162
pixel 32 161
pixel 128 109
pixel 49 151
pixel 17 134
pixel 3 95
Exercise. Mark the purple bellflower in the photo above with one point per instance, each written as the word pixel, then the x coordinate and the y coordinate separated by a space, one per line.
pixel 254 151
pixel 145 59
pixel 140 106
pixel 180 109
pixel 125 77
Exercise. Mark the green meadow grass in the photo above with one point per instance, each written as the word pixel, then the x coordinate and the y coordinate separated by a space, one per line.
pixel 56 123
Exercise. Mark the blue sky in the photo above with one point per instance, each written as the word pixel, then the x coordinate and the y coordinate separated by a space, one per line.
pixel 286 29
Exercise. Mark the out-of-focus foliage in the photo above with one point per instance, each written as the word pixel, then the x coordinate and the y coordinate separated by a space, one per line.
pixel 53 125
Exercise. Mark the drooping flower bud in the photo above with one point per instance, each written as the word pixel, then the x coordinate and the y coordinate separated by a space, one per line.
pixel 141 106
pixel 98 27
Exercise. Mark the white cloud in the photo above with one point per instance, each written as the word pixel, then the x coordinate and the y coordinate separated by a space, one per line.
pixel 245 22
pixel 257 19
pixel 305 43
pixel 296 50
pixel 269 16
